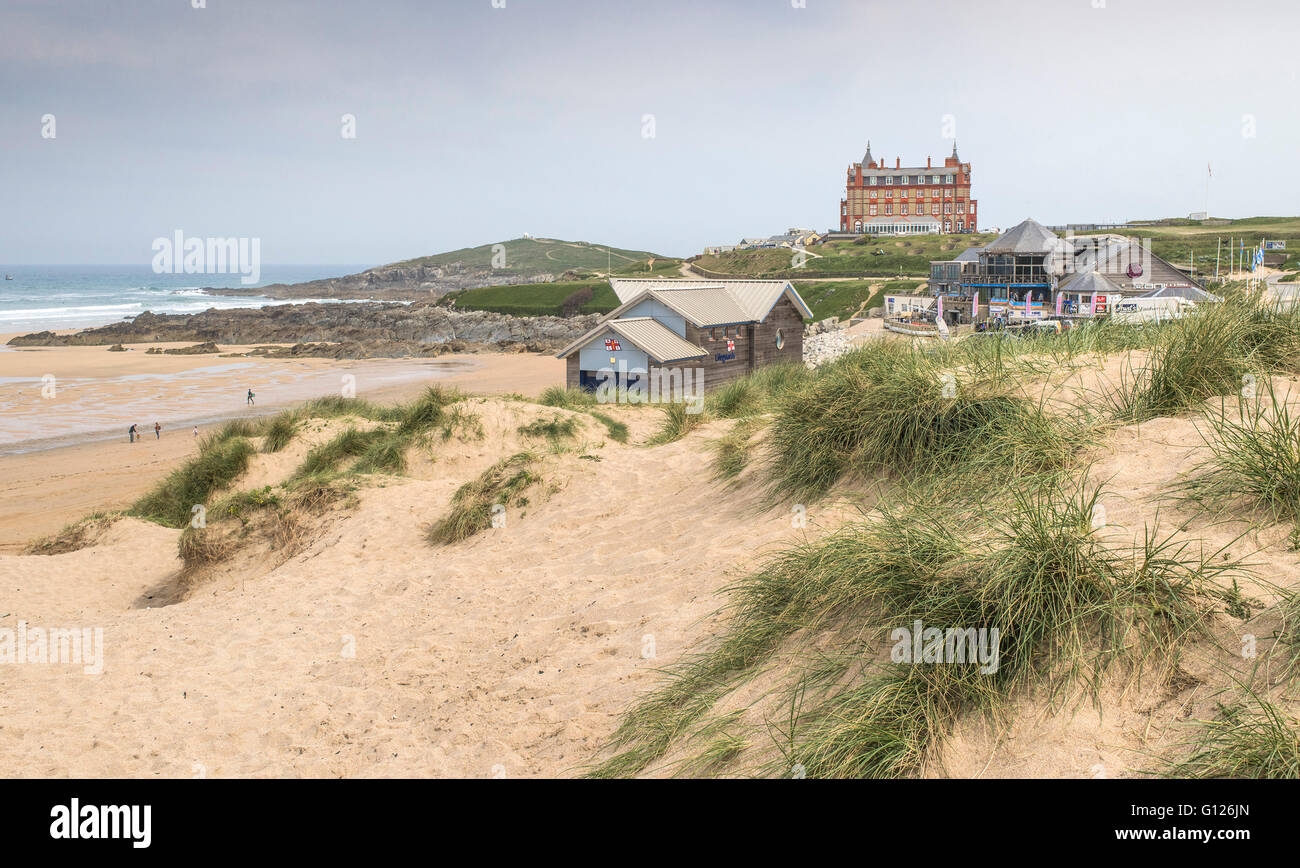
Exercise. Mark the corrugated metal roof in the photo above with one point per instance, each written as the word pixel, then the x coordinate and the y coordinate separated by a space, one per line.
pixel 659 342
pixel 628 288
pixel 754 297
pixel 706 306
pixel 646 333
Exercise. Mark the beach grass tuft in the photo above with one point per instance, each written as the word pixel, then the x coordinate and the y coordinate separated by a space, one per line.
pixel 503 484
pixel 888 408
pixel 1250 737
pixel 279 431
pixel 221 459
pixel 1254 456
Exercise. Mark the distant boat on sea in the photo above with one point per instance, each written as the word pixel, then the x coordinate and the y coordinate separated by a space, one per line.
pixel 9 277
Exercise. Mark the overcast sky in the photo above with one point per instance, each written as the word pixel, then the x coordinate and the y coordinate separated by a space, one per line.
pixel 476 124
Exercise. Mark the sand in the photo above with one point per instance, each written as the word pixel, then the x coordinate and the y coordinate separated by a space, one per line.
pixel 373 653
pixel 370 652
pixel 65 457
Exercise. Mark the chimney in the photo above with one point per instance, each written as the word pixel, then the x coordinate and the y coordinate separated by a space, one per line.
pixel 898 162
pixel 927 163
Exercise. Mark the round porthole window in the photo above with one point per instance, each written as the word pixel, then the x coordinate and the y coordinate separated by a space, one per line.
pixel 780 339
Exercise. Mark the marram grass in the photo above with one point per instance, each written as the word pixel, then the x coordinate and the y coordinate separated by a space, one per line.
pixel 221 459
pixel 1067 606
pixel 892 409
pixel 1250 737
pixel 1213 351
pixel 502 484
pixel 1254 457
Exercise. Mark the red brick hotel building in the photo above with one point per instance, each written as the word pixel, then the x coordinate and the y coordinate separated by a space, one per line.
pixel 908 200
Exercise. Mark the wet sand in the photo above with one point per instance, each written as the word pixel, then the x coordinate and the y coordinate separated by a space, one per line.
pixel 67 455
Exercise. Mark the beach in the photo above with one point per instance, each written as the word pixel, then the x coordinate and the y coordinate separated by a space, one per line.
pixel 67 455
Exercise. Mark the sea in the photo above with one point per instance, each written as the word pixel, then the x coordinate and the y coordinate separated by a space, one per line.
pixel 41 297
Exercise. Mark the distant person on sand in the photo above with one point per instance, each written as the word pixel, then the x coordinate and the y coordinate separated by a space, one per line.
pixel 157 431
pixel 196 430
pixel 130 432
pixel 250 396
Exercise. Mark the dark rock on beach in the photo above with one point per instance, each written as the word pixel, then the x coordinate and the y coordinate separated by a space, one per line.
pixel 347 330
pixel 194 350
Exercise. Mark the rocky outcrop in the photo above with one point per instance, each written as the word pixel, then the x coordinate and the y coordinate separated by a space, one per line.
pixel 391 282
pixel 192 350
pixel 372 328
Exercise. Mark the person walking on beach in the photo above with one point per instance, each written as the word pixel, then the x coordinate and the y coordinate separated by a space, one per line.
pixel 250 396
pixel 157 431
pixel 130 432
pixel 196 430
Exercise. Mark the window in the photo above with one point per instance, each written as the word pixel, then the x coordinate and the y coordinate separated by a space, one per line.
pixel 972 207
pixel 889 179
pixel 904 209
pixel 934 208
pixel 713 334
pixel 873 211
pixel 947 207
pixel 889 194
pixel 889 209
pixel 947 179
pixel 780 340
pixel 871 181
pixel 934 179
pixel 961 207
pixel 934 194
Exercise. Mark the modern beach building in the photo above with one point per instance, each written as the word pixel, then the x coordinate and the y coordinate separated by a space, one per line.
pixel 908 200
pixel 715 329
pixel 1022 273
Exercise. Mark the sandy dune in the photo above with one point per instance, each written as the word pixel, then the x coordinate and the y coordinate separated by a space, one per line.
pixel 370 652
pixel 510 653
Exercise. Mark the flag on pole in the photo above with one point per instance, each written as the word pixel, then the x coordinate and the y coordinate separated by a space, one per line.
pixel 938 310
pixel 1028 296
pixel 1060 300
pixel 975 303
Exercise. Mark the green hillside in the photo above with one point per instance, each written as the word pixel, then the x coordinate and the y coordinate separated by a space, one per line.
pixel 845 298
pixel 842 298
pixel 534 299
pixel 1176 240
pixel 530 257
pixel 867 257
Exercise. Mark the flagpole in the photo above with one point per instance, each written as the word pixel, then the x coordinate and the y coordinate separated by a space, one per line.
pixel 1218 246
